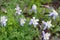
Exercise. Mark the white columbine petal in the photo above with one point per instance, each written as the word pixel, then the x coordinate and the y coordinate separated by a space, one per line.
pixel 47 24
pixel 34 21
pixel 18 12
pixel 22 21
pixel 3 21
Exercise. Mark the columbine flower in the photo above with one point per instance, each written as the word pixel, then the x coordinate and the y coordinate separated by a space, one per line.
pixel 47 24
pixel 34 21
pixel 34 8
pixel 54 14
pixel 3 21
pixel 22 21
pixel 17 7
pixel 18 11
pixel 45 35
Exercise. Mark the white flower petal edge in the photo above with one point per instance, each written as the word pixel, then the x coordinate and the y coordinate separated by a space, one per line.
pixel 3 20
pixel 34 21
pixel 22 21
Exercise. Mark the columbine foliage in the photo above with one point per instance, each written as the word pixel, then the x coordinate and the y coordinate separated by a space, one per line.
pixel 19 14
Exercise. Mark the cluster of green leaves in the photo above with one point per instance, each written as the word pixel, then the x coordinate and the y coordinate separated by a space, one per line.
pixel 13 30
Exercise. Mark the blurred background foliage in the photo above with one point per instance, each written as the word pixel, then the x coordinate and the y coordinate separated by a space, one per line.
pixel 13 31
